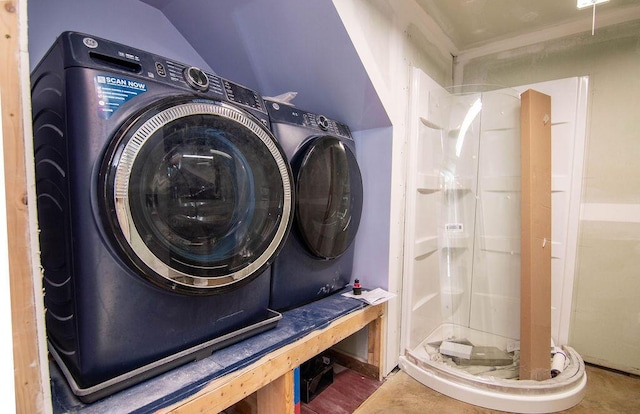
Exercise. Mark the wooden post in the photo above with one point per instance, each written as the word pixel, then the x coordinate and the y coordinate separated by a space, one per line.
pixel 277 396
pixel 375 344
pixel 29 387
pixel 535 282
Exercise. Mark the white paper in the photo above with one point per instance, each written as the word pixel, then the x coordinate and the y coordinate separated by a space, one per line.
pixel 372 297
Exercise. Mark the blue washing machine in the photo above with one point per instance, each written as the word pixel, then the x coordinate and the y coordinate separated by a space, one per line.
pixel 317 258
pixel 163 199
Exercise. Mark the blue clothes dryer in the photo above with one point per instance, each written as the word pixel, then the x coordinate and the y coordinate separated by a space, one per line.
pixel 317 258
pixel 163 199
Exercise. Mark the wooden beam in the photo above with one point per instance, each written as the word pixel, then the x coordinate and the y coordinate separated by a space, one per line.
pixel 277 396
pixel 372 367
pixel 29 389
pixel 375 344
pixel 535 283
pixel 353 363
pixel 228 390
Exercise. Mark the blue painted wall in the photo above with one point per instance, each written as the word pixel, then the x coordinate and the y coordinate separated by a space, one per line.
pixel 276 46
pixel 129 22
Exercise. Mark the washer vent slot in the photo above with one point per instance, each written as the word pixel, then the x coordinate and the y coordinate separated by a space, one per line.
pixel 115 62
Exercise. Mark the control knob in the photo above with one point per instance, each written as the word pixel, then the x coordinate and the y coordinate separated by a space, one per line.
pixel 196 78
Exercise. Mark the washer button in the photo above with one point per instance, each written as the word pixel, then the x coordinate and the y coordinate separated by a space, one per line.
pixel 323 122
pixel 160 70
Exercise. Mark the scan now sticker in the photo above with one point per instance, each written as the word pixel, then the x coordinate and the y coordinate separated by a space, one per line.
pixel 113 92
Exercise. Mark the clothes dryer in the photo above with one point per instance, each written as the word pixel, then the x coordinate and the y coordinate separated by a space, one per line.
pixel 317 258
pixel 163 199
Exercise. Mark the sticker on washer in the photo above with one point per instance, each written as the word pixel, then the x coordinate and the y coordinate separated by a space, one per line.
pixel 114 92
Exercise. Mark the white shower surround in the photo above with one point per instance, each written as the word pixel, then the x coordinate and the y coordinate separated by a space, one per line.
pixel 423 320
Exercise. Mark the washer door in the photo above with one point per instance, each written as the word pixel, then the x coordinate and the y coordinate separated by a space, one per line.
pixel 198 195
pixel 328 196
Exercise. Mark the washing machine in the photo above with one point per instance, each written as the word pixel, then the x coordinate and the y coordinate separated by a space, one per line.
pixel 317 258
pixel 162 200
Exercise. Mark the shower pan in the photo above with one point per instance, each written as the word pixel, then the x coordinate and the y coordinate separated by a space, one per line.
pixel 461 306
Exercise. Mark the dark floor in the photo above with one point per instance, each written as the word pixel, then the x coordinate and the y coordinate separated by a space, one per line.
pixel 607 392
pixel 347 392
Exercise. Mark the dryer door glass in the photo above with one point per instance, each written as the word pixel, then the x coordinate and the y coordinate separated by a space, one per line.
pixel 328 197
pixel 201 195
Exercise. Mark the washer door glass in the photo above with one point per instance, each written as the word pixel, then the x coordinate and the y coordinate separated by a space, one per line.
pixel 328 196
pixel 199 195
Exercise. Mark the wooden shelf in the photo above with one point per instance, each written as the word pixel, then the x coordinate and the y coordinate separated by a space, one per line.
pixel 272 376
pixel 263 363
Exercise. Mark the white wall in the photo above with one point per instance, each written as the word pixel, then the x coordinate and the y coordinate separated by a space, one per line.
pixel 390 38
pixel 277 46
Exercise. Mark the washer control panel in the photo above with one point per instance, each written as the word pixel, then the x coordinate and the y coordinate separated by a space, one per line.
pixel 110 56
pixel 243 96
pixel 288 114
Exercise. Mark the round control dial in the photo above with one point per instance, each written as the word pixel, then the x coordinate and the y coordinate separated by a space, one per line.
pixel 323 122
pixel 196 78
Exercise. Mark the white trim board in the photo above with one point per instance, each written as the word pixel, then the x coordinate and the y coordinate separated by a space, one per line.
pixel 609 212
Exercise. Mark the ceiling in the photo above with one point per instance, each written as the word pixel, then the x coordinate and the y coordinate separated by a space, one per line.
pixel 471 24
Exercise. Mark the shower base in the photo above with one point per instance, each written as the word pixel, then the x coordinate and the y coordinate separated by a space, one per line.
pixel 521 396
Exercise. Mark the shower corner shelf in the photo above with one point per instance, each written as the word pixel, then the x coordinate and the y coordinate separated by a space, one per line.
pixel 458 241
pixel 431 183
pixel 560 183
pixel 430 124
pixel 425 246
pixel 460 185
pixel 427 183
pixel 501 244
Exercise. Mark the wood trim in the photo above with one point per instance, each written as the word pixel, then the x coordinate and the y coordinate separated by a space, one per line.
pixel 353 363
pixel 372 367
pixel 277 396
pixel 29 390
pixel 535 282
pixel 277 366
pixel 375 344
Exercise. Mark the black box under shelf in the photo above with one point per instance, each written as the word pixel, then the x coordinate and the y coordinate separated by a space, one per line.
pixel 315 376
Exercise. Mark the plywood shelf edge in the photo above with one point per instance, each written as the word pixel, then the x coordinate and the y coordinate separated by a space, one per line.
pixel 272 375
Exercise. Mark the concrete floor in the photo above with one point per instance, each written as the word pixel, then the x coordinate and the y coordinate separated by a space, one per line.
pixel 607 392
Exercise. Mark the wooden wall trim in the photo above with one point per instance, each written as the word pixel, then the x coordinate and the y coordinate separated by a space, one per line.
pixel 535 282
pixel 29 387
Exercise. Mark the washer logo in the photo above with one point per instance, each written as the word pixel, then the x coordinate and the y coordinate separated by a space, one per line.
pixel 90 42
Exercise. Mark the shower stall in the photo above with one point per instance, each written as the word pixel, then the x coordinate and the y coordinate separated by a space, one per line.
pixel 461 312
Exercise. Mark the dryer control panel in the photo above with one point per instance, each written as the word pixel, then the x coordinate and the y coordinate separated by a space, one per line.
pixel 288 114
pixel 93 52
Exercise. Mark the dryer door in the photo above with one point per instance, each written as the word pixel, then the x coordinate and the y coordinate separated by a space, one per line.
pixel 328 196
pixel 198 195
